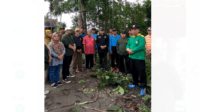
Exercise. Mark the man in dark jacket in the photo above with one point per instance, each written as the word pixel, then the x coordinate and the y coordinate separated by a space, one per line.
pixel 102 42
pixel 77 57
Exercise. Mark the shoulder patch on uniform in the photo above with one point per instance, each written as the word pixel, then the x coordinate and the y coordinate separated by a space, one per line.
pixel 142 35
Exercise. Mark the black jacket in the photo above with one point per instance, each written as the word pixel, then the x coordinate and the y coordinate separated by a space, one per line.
pixel 78 41
pixel 102 40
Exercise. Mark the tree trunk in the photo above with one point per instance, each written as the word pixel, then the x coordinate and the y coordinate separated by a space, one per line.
pixel 105 18
pixel 113 14
pixel 125 16
pixel 98 17
pixel 85 21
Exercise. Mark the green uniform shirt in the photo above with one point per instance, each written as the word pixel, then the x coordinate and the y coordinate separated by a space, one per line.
pixel 137 45
pixel 121 46
pixel 68 40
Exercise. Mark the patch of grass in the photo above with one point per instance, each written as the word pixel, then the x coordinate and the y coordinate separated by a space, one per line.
pixel 82 81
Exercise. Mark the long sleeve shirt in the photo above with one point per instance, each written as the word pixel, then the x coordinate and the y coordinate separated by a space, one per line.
pixel 68 40
pixel 121 46
pixel 55 61
pixel 95 37
pixel 113 41
pixel 137 45
pixel 102 40
pixel 78 41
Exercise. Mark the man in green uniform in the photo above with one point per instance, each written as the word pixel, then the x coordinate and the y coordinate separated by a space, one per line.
pixel 136 50
pixel 70 47
pixel 121 50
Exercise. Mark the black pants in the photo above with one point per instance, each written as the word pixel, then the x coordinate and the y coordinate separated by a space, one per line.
pixel 66 65
pixel 123 58
pixel 138 69
pixel 114 56
pixel 89 60
pixel 103 60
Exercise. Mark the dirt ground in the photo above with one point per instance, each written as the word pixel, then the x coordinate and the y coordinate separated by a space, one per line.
pixel 63 101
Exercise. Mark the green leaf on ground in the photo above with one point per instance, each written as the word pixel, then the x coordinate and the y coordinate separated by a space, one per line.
pixel 121 90
pixel 88 91
pixel 116 108
pixel 108 91
pixel 107 77
pixel 74 110
pixel 133 95
pixel 60 90
pixel 82 81
pixel 81 103
pixel 146 97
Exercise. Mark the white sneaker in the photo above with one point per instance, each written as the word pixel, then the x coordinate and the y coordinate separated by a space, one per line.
pixel 71 75
pixel 45 96
pixel 46 91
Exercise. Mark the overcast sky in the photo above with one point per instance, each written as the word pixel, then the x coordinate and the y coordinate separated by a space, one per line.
pixel 67 18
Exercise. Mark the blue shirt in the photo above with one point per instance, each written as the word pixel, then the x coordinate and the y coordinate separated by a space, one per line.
pixel 113 41
pixel 95 37
pixel 82 35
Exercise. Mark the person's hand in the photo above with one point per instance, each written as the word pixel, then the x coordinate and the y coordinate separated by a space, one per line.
pixel 80 50
pixel 50 59
pixel 110 52
pixel 101 47
pixel 130 51
pixel 74 49
pixel 104 47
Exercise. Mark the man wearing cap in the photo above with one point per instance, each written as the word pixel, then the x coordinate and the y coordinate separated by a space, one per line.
pixel 102 43
pixel 136 50
pixel 77 57
pixel 129 33
pixel 61 32
pixel 82 34
pixel 70 47
pixel 148 44
pixel 93 34
pixel 113 49
pixel 89 50
pixel 121 50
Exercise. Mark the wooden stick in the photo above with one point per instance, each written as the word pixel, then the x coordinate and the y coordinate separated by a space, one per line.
pixel 82 88
pixel 107 92
pixel 95 98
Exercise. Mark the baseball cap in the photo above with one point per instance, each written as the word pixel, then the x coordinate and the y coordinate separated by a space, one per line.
pixel 76 29
pixel 61 28
pixel 101 29
pixel 114 29
pixel 123 32
pixel 149 28
pixel 135 27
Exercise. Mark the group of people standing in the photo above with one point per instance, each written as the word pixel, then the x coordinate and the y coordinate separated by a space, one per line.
pixel 62 48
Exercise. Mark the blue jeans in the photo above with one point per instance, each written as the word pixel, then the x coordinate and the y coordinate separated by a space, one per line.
pixel 54 73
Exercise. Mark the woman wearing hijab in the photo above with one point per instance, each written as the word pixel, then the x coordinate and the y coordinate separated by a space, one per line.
pixel 48 36
pixel 57 53
pixel 47 60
